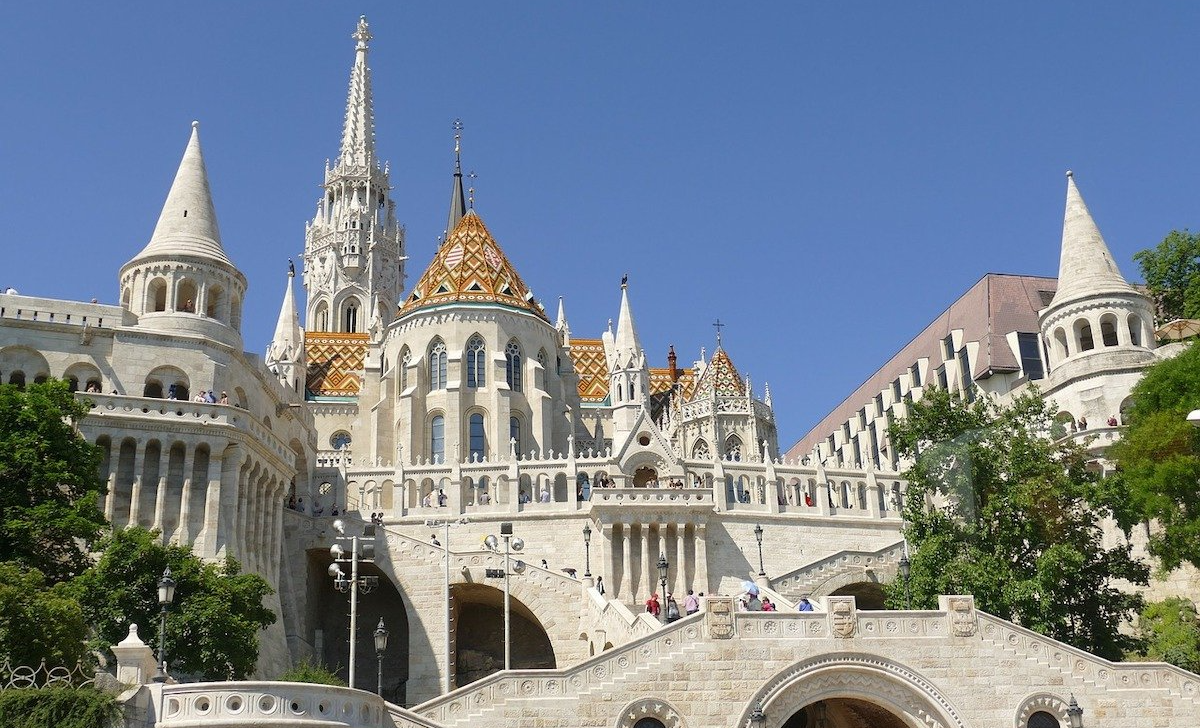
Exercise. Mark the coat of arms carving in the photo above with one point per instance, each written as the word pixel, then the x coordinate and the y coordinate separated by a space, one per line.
pixel 843 616
pixel 719 618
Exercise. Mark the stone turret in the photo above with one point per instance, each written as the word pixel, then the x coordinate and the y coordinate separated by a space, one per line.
pixel 182 282
pixel 629 377
pixel 285 353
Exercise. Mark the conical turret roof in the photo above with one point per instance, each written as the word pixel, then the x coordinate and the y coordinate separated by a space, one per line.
pixel 720 376
pixel 188 223
pixel 289 338
pixel 1086 266
pixel 470 267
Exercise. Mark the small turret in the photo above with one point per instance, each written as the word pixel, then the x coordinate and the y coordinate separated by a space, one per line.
pixel 628 374
pixel 285 353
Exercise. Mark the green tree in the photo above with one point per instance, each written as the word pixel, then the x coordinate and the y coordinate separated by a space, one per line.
pixel 1011 524
pixel 1158 461
pixel 39 622
pixel 1172 274
pixel 49 505
pixel 59 707
pixel 213 625
pixel 1171 630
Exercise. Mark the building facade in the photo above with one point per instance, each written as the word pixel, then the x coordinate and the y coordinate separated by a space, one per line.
pixel 455 408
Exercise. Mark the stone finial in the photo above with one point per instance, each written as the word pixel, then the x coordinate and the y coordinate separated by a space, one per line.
pixel 135 659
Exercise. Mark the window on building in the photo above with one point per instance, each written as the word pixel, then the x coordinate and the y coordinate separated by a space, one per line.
pixel 477 437
pixel 700 450
pixel 437 439
pixel 874 434
pixel 878 405
pixel 542 372
pixel 845 432
pixel 512 366
pixel 1108 332
pixel 437 366
pixel 1085 336
pixel 733 448
pixel 405 361
pixel 351 317
pixel 857 452
pixel 514 433
pixel 896 392
pixel 476 362
pixel 1042 719
pixel 862 419
pixel 965 383
pixel 340 439
pixel 915 374
pixel 942 381
pixel 948 347
pixel 1031 360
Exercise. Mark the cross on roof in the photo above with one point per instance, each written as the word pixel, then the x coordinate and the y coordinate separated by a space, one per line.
pixel 718 326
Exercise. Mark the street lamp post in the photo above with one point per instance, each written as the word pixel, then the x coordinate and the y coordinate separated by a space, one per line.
pixel 361 549
pixel 663 566
pixel 758 532
pixel 905 567
pixel 166 595
pixel 587 550
pixel 447 523
pixel 381 637
pixel 515 544
pixel 1075 713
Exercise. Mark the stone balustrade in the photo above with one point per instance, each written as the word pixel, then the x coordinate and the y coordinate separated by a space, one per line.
pixel 48 310
pixel 269 703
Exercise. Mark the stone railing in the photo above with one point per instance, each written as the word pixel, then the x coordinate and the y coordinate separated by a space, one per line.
pixel 49 310
pixel 803 581
pixel 616 620
pixel 493 691
pixel 267 703
pixel 652 496
pixel 1088 667
pixel 177 410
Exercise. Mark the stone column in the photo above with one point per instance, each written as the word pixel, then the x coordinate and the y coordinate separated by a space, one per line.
pixel 160 495
pixel 650 559
pixel 774 493
pixel 135 492
pixel 701 560
pixel 114 468
pixel 680 580
pixel 626 592
pixel 823 496
pixel 183 530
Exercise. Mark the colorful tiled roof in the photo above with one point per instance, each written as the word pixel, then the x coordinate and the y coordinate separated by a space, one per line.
pixel 720 375
pixel 471 268
pixel 660 381
pixel 592 368
pixel 335 363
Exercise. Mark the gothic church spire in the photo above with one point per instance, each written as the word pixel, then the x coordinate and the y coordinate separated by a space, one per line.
pixel 458 201
pixel 358 132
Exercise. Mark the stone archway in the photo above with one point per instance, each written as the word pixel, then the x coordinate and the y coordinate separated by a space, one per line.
pixel 868 595
pixel 479 634
pixel 857 686
pixel 845 713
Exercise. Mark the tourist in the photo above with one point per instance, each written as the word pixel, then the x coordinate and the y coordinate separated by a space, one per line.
pixel 804 605
pixel 754 604
pixel 224 398
pixel 545 565
pixel 300 504
pixel 334 510
pixel 433 540
pixel 171 392
pixel 427 501
pixel 652 605
pixel 672 609
pixel 1112 421
pixel 691 604
pixel 570 571
pixel 210 398
pixel 545 496
pixel 600 585
pixel 767 606
pixel 441 498
pixel 484 498
pixel 522 497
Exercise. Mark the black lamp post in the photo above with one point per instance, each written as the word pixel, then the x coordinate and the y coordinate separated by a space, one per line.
pixel 587 550
pixel 381 635
pixel 757 717
pixel 663 565
pixel 166 595
pixel 905 567
pixel 1075 714
pixel 758 532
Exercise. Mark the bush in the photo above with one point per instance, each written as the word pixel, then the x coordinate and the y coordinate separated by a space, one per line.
pixel 58 707
pixel 308 672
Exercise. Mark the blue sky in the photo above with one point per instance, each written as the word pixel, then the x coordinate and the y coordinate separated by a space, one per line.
pixel 824 179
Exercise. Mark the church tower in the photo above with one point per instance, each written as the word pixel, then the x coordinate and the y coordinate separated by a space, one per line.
pixel 182 281
pixel 1096 324
pixel 354 247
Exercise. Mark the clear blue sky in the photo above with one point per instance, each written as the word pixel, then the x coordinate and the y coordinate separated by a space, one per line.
pixel 823 179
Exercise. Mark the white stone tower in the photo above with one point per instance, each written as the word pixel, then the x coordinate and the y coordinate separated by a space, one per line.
pixel 628 375
pixel 285 353
pixel 1096 324
pixel 182 282
pixel 354 247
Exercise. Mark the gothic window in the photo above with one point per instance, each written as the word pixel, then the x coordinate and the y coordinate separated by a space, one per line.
pixel 514 433
pixel 340 440
pixel 542 374
pixel 733 448
pixel 1042 719
pixel 322 317
pixel 477 438
pixel 700 450
pixel 405 360
pixel 437 439
pixel 350 317
pixel 476 362
pixel 437 366
pixel 512 366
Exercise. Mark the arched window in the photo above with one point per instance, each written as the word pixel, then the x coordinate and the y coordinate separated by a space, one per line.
pixel 476 362
pixel 153 389
pixel 157 295
pixel 1042 719
pixel 1083 335
pixel 321 318
pixel 350 317
pixel 185 296
pixel 340 439
pixel 1108 330
pixel 542 359
pixel 437 439
pixel 212 306
pixel 437 366
pixel 512 366
pixel 405 360
pixel 700 450
pixel 514 433
pixel 1060 341
pixel 733 448
pixel 477 438
pixel 1135 330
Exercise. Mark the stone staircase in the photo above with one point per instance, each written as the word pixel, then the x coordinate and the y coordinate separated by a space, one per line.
pixel 808 579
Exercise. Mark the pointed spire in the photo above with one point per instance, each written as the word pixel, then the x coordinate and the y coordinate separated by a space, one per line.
pixel 626 340
pixel 188 222
pixel 358 132
pixel 1086 266
pixel 289 338
pixel 458 201
pixel 561 325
